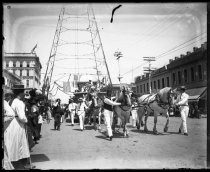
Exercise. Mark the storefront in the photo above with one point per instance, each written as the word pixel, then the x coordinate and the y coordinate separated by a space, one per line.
pixel 197 101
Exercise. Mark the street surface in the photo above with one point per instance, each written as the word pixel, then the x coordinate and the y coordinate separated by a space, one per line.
pixel 71 148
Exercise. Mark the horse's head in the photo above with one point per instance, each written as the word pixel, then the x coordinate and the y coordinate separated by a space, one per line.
pixel 171 96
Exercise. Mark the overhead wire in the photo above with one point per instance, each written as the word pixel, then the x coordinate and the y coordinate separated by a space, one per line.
pixel 161 55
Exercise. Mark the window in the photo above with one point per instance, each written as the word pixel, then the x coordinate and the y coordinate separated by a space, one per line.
pixel 144 88
pixel 167 80
pixel 140 88
pixel 163 84
pixel 200 75
pixel 27 72
pixel 147 86
pixel 185 75
pixel 27 83
pixel 158 84
pixel 27 64
pixel 137 89
pixel 151 85
pixel 192 74
pixel 154 84
pixel 179 77
pixel 174 78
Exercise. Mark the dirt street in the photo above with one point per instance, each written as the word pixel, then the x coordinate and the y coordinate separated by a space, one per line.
pixel 71 148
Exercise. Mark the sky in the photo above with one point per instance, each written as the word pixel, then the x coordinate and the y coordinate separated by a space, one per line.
pixel 160 30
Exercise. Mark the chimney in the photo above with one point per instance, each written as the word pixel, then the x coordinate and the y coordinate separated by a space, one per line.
pixel 195 48
pixel 176 58
pixel 188 52
pixel 170 60
pixel 182 55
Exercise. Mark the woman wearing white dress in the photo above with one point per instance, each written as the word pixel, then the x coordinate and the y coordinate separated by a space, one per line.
pixel 18 144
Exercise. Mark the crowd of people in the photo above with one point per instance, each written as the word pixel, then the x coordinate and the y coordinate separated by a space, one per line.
pixel 23 119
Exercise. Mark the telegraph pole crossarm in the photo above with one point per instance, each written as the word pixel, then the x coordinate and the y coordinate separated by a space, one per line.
pixel 149 69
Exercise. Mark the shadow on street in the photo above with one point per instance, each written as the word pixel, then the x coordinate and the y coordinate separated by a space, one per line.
pixel 39 158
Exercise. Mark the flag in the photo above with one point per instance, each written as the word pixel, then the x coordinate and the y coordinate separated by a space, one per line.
pixel 32 51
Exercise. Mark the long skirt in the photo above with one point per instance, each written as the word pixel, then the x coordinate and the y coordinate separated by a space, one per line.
pixel 16 141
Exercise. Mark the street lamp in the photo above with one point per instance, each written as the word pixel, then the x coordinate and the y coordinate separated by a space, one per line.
pixel 118 55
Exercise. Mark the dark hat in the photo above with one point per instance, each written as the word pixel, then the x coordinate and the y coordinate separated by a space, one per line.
pixel 58 100
pixel 80 99
pixel 17 89
pixel 182 88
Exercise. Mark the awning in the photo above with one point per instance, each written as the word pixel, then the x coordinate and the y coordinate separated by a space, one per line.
pixel 196 93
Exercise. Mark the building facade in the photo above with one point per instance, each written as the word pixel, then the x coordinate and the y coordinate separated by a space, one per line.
pixel 189 70
pixel 10 80
pixel 25 65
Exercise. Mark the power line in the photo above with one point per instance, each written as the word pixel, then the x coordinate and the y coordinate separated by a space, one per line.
pixel 158 57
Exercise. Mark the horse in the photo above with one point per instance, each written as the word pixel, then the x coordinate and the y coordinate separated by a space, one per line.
pixel 123 112
pixel 94 106
pixel 155 104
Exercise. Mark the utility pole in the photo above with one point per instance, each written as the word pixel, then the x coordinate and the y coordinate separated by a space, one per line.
pixel 149 69
pixel 118 55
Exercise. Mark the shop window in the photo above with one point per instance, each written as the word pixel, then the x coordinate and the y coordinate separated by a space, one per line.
pixel 140 88
pixel 154 84
pixel 179 77
pixel 200 74
pixel 174 78
pixel 163 84
pixel 167 81
pixel 185 76
pixel 192 74
pixel 158 84
pixel 144 88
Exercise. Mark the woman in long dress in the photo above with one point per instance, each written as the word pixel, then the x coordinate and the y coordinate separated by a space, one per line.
pixel 16 138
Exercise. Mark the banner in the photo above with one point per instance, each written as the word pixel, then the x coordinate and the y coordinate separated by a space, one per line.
pixel 66 87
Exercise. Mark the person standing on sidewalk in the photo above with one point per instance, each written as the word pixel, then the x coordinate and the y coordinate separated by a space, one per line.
pixel 19 147
pixel 8 116
pixel 72 110
pixel 81 108
pixel 57 114
pixel 182 103
pixel 108 112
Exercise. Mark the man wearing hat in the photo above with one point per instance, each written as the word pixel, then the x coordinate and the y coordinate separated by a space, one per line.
pixel 57 113
pixel 81 107
pixel 182 103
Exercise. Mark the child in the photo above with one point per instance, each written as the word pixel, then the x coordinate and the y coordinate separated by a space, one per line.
pixel 40 122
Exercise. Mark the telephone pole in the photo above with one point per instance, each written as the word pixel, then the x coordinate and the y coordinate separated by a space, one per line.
pixel 149 69
pixel 118 55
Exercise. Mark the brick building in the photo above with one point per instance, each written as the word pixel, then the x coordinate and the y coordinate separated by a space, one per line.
pixel 189 70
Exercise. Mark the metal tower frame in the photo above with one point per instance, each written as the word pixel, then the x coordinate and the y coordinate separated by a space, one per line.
pixel 59 42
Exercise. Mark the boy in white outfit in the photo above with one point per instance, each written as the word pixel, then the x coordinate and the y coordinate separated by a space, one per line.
pixel 81 107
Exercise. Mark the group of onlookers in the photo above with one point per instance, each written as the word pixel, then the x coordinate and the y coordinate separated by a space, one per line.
pixel 22 125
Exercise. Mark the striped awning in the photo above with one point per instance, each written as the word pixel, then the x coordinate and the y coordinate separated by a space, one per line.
pixel 196 93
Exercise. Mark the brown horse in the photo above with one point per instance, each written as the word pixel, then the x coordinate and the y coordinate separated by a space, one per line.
pixel 155 104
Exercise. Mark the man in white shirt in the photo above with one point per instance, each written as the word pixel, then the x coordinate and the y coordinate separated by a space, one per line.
pixel 81 107
pixel 72 109
pixel 182 103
